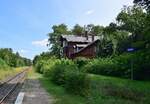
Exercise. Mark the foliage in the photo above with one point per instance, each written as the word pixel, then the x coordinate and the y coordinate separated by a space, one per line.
pixel 81 62
pixel 128 20
pixel 62 29
pixel 54 37
pixel 102 66
pixel 60 93
pixel 138 62
pixel 78 30
pixel 60 69
pixel 3 64
pixel 122 65
pixel 42 56
pixel 101 90
pixel 144 3
pixel 66 73
pixel 77 83
pixel 13 59
pixel 39 66
pixel 111 90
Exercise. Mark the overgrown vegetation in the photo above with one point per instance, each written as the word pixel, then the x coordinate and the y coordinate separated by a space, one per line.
pixel 13 59
pixel 65 73
pixel 9 63
pixel 130 31
pixel 108 90
pixel 3 64
pixel 9 72
pixel 134 65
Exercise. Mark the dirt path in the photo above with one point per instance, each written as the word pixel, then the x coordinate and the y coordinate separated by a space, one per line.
pixel 34 93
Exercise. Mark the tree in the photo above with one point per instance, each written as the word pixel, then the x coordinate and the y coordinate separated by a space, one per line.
pixel 54 37
pixel 117 39
pixel 144 3
pixel 13 59
pixel 78 30
pixel 132 19
pixel 97 30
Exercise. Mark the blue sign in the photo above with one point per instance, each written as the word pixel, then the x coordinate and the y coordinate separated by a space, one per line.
pixel 130 49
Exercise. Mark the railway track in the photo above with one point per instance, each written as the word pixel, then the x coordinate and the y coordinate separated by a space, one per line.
pixel 9 86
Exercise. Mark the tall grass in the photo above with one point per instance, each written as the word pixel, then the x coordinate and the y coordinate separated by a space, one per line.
pixel 110 90
pixel 6 71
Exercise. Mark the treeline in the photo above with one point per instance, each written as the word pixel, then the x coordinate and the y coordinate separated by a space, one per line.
pixel 12 59
pixel 131 29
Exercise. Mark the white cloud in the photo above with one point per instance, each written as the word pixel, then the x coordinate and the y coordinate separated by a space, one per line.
pixel 23 51
pixel 41 43
pixel 89 12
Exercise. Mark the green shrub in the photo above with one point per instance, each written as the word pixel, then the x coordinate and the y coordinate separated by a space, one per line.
pixel 47 69
pixel 59 70
pixel 77 83
pixel 105 66
pixel 141 65
pixel 122 65
pixel 39 66
pixel 81 62
pixel 66 73
pixel 3 64
pixel 138 62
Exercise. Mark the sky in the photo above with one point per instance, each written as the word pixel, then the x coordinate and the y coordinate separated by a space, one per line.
pixel 24 24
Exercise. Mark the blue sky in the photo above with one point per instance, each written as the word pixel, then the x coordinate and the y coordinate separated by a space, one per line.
pixel 24 24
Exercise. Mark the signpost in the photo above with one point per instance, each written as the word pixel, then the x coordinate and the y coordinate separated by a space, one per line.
pixel 131 50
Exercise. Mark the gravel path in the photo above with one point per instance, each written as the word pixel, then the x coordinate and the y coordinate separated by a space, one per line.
pixel 34 93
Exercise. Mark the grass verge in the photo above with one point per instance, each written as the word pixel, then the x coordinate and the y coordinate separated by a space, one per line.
pixel 5 73
pixel 57 92
pixel 104 90
pixel 111 90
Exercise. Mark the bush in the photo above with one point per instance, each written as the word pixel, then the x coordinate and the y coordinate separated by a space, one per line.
pixel 39 66
pixel 47 69
pixel 121 66
pixel 59 70
pixel 3 64
pixel 105 66
pixel 77 83
pixel 141 65
pixel 138 62
pixel 81 62
pixel 66 73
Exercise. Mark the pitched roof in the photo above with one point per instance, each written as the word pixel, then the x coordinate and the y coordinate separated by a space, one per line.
pixel 94 42
pixel 75 38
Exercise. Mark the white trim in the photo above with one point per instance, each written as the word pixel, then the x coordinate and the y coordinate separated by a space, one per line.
pixel 20 97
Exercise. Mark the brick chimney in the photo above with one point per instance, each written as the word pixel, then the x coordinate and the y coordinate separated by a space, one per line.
pixel 86 35
pixel 92 38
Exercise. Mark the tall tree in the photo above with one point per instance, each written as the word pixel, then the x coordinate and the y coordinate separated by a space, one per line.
pixel 97 30
pixel 13 59
pixel 54 37
pixel 144 3
pixel 134 20
pixel 78 30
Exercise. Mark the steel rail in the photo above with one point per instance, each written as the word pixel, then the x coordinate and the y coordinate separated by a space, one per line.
pixel 21 76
